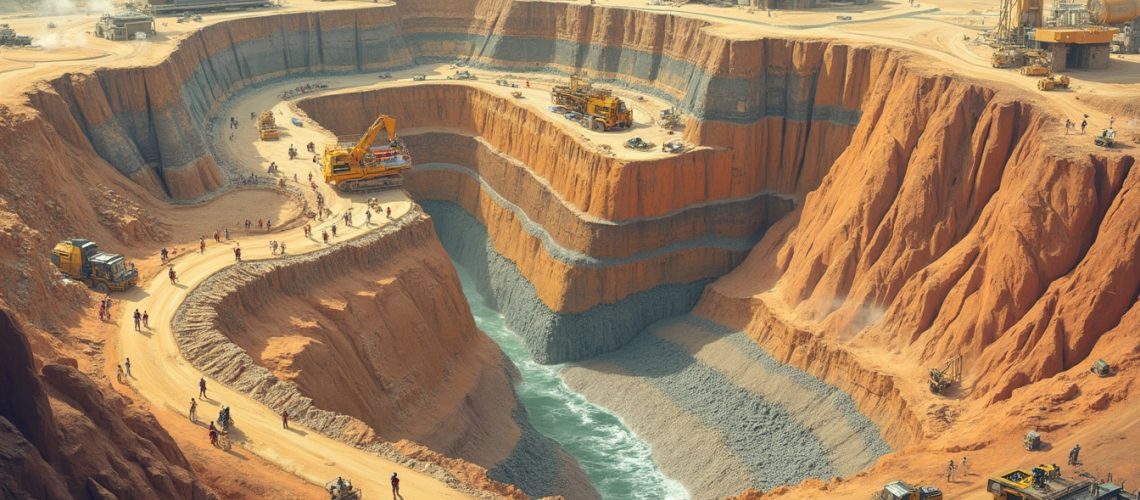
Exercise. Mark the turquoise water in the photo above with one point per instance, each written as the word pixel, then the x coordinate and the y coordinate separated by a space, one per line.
pixel 617 462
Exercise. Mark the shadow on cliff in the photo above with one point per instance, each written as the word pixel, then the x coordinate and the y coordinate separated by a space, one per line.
pixel 66 436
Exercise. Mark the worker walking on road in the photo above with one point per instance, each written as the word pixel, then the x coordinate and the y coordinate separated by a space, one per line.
pixel 1074 455
pixel 146 320
pixel 395 486
pixel 202 388
pixel 1084 124
pixel 201 244
pixel 119 376
pixel 138 320
pixel 173 276
pixel 962 469
pixel 193 410
pixel 950 472
pixel 285 419
pixel 127 365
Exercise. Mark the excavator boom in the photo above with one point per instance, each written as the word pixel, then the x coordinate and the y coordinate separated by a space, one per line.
pixel 384 122
pixel 358 166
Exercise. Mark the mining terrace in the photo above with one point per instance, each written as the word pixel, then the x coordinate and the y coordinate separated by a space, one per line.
pixel 539 311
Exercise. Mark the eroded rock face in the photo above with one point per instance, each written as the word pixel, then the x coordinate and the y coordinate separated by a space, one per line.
pixel 969 234
pixel 63 436
pixel 372 342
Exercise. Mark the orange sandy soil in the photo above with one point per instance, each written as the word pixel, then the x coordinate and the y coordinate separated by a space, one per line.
pixel 1070 407
pixel 258 478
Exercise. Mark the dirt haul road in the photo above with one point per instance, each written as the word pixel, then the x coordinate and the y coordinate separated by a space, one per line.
pixel 166 379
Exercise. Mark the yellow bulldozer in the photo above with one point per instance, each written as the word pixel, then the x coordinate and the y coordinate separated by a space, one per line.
pixel 1007 57
pixel 81 260
pixel 1053 82
pixel 267 126
pixel 600 109
pixel 356 166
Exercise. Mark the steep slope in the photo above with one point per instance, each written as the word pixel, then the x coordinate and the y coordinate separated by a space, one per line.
pixel 969 234
pixel 65 436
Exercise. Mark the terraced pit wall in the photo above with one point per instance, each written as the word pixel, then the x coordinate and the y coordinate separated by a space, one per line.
pixel 397 359
pixel 905 240
pixel 1010 274
pixel 148 122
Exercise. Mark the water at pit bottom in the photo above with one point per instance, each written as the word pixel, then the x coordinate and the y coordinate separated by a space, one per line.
pixel 616 461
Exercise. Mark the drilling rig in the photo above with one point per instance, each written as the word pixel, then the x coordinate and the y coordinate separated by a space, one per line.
pixel 600 109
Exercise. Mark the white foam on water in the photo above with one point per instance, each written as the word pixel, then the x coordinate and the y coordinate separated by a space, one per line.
pixel 618 463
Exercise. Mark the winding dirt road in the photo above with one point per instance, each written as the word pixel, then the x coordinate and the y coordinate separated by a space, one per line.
pixel 165 378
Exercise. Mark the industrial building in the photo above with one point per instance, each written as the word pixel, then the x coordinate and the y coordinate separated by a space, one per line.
pixel 1074 35
pixel 1076 48
pixel 1122 14
pixel 125 25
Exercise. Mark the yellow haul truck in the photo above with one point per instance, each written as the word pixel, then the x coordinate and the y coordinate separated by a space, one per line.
pixel 81 260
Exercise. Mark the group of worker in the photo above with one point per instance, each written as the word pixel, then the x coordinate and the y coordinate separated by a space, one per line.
pixel 105 308
pixel 142 318
pixel 1071 125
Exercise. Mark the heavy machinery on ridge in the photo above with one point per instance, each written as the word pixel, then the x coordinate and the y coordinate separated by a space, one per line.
pixel 343 489
pixel 1053 82
pixel 1044 482
pixel 104 272
pixel 359 167
pixel 267 126
pixel 1106 138
pixel 601 110
pixel 901 490
pixel 8 37
pixel 942 378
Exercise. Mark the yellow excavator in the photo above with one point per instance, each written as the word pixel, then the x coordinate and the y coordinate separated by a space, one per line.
pixel 359 167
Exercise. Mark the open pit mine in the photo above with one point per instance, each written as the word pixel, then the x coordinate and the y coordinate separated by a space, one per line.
pixel 533 248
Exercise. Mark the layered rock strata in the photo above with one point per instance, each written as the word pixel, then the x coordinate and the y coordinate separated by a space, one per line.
pixel 970 234
pixel 418 371
pixel 576 261
pixel 148 122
